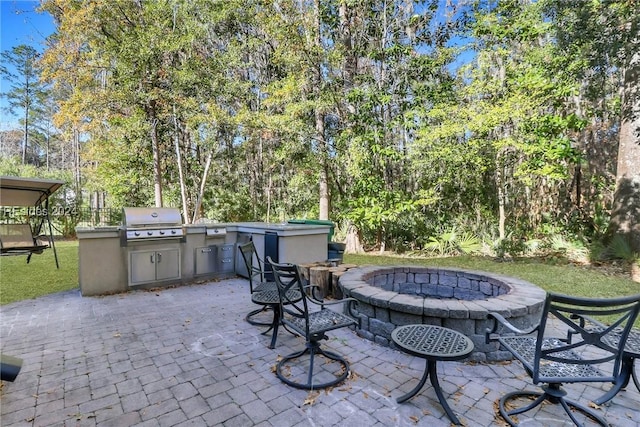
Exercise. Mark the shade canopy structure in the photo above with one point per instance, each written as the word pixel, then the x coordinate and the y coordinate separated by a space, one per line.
pixel 27 192
pixel 30 192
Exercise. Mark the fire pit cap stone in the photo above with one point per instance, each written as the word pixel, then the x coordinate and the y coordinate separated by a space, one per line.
pixel 364 293
pixel 407 303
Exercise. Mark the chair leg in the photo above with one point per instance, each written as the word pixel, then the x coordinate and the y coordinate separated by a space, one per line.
pixel 249 316
pixel 313 348
pixel 626 373
pixel 552 393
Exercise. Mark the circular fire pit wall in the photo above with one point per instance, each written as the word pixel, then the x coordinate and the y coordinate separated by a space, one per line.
pixel 389 297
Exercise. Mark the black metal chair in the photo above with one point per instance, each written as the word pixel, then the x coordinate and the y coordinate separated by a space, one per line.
pixel 588 357
pixel 631 353
pixel 257 283
pixel 312 326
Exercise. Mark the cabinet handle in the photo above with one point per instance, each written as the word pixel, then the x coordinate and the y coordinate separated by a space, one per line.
pixel 151 258
pixel 206 250
pixel 159 257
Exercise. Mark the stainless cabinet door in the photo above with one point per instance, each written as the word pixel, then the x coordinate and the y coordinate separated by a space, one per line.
pixel 205 260
pixel 142 267
pixel 168 264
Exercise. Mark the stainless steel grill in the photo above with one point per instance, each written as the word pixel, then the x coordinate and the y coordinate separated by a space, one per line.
pixel 146 224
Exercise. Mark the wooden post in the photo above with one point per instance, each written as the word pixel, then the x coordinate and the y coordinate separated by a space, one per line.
pixel 304 269
pixel 336 272
pixel 321 277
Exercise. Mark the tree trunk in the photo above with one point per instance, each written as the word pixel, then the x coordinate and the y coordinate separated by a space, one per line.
pixel 26 129
pixel 157 171
pixel 76 163
pixel 183 187
pixel 625 216
pixel 501 199
pixel 323 184
pixel 353 245
pixel 205 174
pixel 324 178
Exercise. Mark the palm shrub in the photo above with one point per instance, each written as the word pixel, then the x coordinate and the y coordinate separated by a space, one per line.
pixel 452 243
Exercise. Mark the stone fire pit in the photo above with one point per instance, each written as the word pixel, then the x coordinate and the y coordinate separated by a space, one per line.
pixel 454 298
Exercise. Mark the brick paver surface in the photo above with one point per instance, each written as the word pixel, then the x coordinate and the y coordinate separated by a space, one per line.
pixel 185 356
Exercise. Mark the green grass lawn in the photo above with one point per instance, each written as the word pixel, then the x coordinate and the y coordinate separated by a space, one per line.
pixel 19 280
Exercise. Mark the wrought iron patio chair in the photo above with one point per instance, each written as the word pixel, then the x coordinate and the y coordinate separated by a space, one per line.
pixel 257 283
pixel 549 359
pixel 312 326
pixel 631 354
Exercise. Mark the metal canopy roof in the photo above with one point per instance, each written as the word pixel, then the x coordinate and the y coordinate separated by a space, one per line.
pixel 17 191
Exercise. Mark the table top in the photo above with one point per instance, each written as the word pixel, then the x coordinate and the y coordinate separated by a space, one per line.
pixel 633 343
pixel 432 342
pixel 632 346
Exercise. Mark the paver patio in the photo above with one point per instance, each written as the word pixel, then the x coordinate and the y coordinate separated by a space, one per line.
pixel 185 356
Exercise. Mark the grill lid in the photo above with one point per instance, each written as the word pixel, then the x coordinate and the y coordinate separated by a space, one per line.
pixel 151 217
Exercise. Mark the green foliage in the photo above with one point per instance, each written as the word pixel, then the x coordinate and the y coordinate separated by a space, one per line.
pixel 453 243
pixel 418 116
pixel 620 247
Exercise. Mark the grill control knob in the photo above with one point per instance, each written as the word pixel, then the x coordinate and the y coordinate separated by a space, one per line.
pixel 161 232
pixel 149 233
pixel 173 231
pixel 137 233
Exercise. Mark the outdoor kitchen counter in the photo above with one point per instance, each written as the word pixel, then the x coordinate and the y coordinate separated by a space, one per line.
pixel 104 262
pixel 102 267
pixel 284 242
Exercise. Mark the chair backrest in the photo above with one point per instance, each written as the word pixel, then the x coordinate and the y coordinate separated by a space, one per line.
pixel 288 280
pixel 16 236
pixel 253 263
pixel 594 346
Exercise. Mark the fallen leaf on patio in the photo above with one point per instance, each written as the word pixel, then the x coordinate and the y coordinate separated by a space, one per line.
pixel 594 406
pixel 273 368
pixel 486 391
pixel 425 412
pixel 366 396
pixel 117 335
pixel 414 419
pixel 311 398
